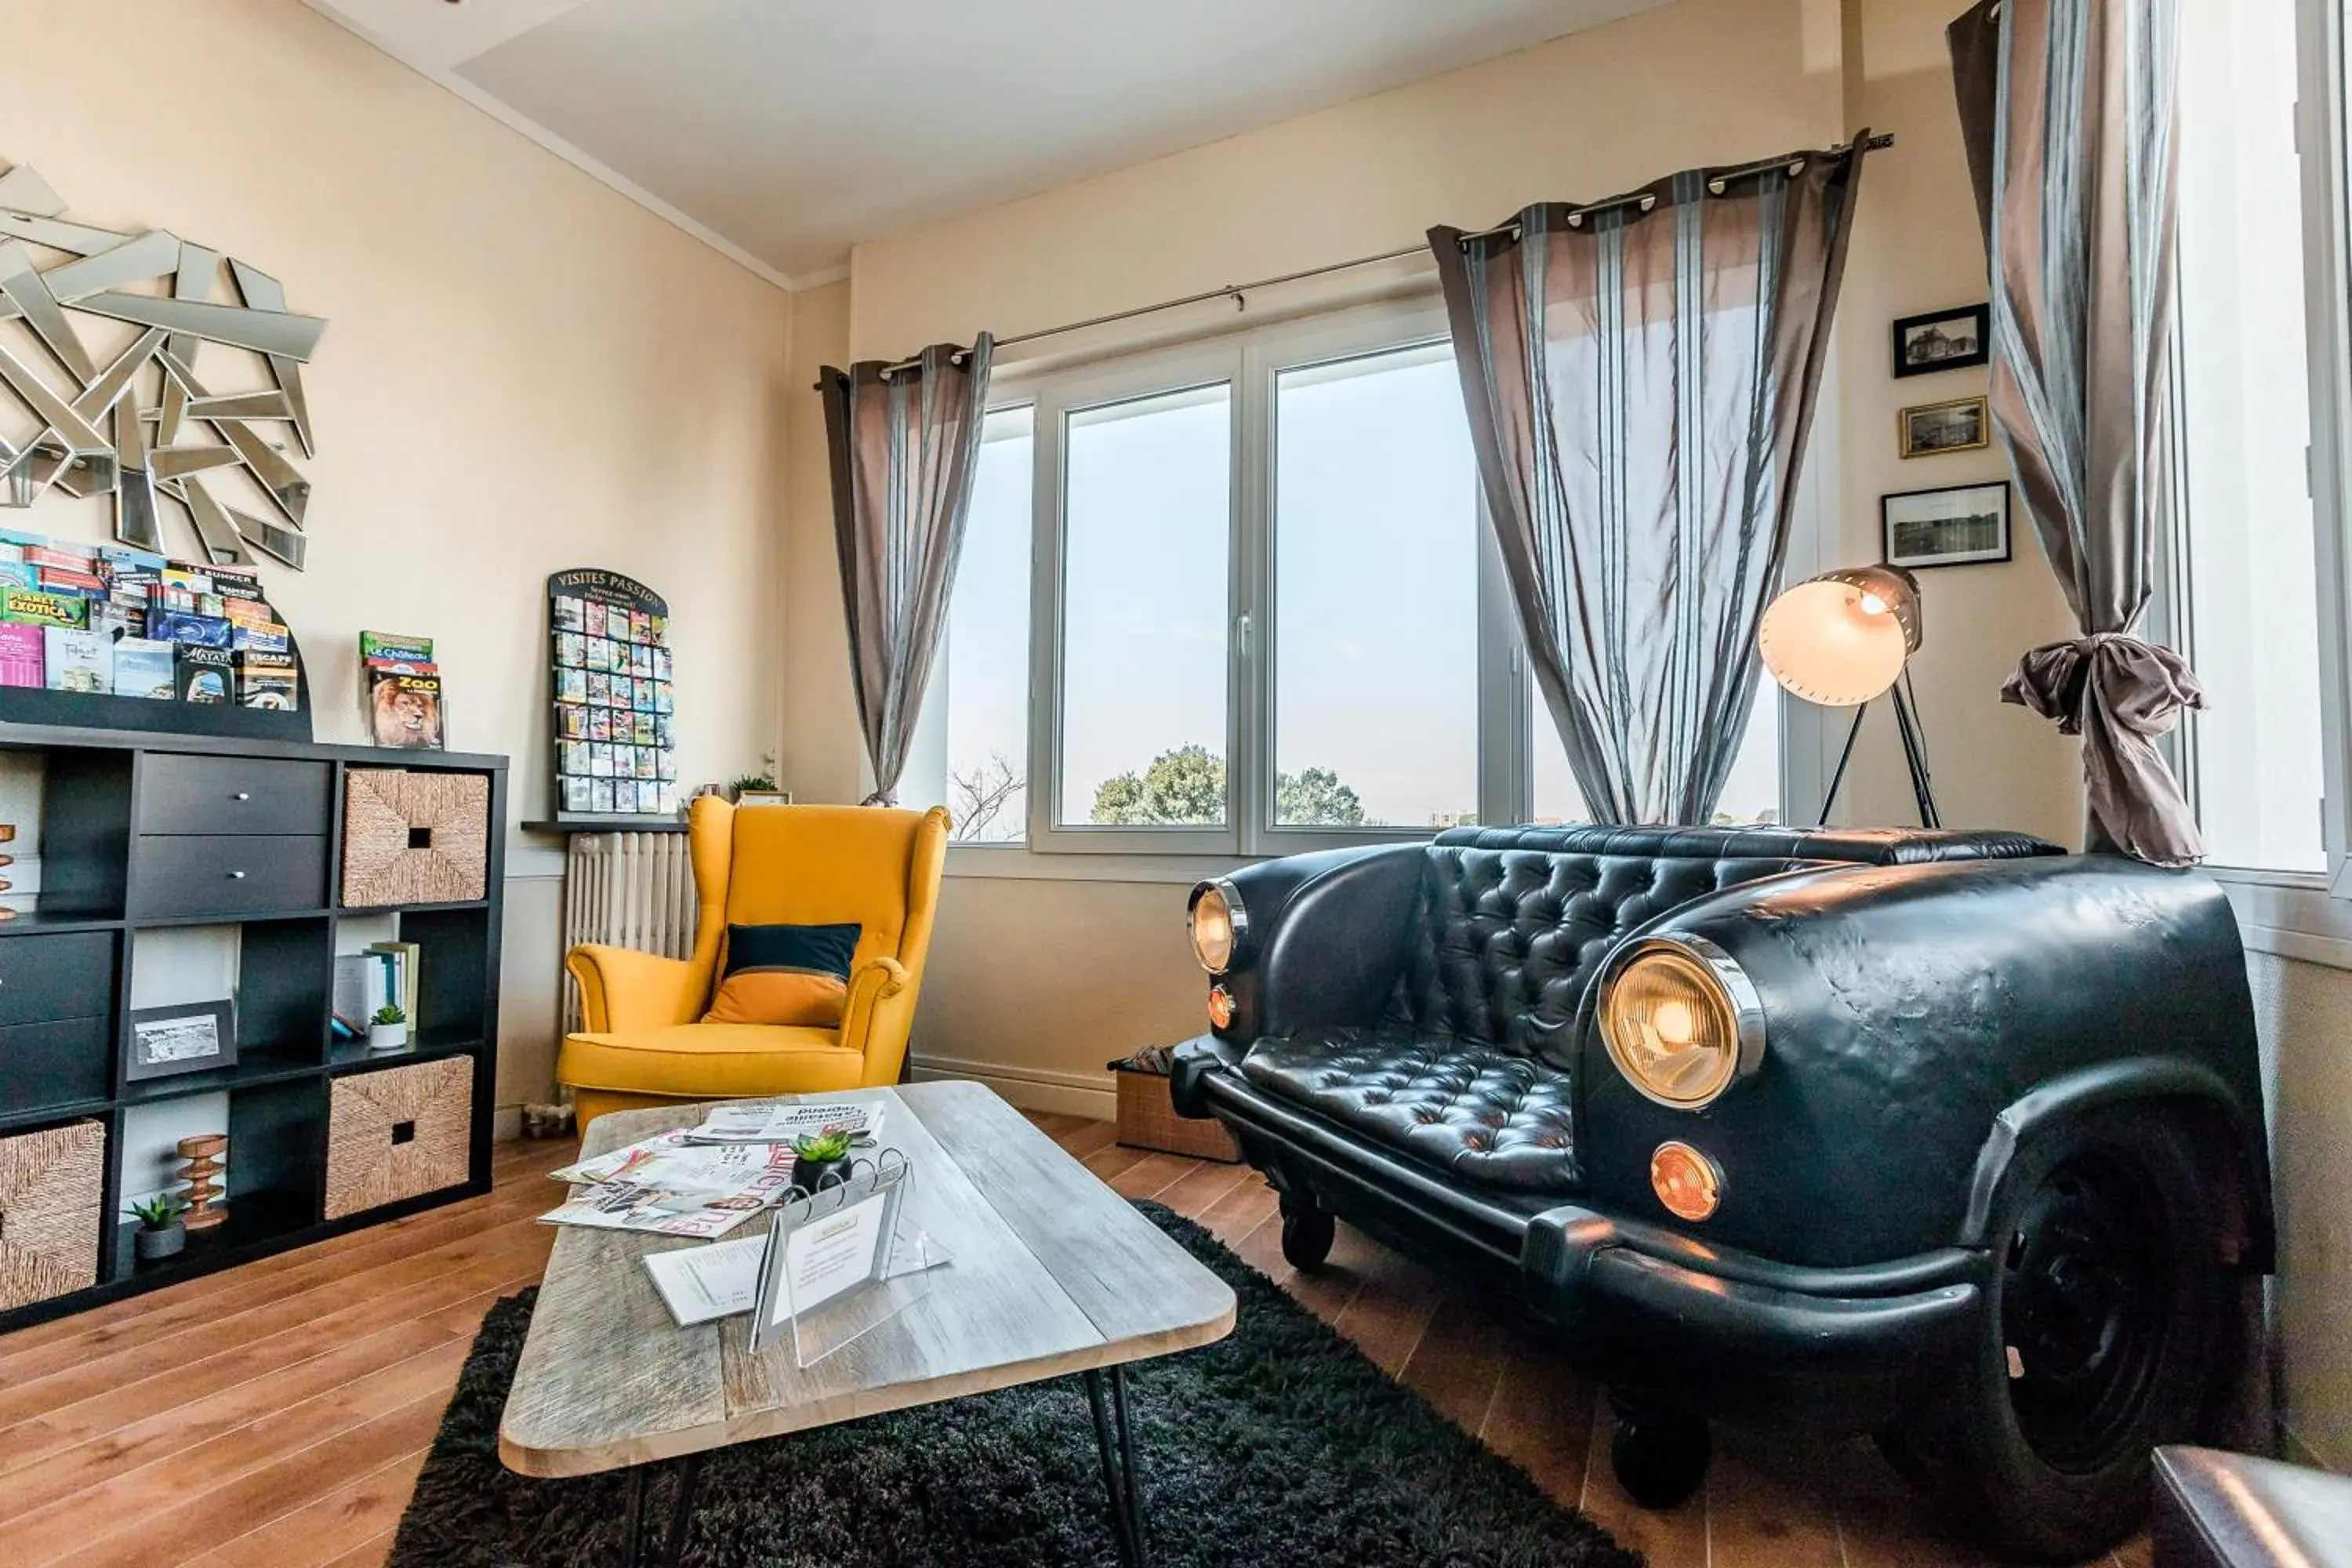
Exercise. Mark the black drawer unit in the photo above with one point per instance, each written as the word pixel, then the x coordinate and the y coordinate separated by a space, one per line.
pixel 59 1062
pixel 183 793
pixel 143 837
pixel 69 975
pixel 179 875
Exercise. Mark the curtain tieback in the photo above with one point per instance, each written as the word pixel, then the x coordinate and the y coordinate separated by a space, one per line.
pixel 881 797
pixel 2138 686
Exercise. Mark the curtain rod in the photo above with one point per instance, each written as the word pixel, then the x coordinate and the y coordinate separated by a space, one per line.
pixel 1236 290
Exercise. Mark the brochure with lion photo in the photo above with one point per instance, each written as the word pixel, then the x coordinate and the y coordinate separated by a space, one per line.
pixel 400 691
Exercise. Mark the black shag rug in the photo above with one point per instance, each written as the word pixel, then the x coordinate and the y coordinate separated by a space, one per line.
pixel 1280 1445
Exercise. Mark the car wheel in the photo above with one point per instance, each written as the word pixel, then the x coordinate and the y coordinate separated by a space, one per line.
pixel 1660 1457
pixel 1306 1236
pixel 2112 1326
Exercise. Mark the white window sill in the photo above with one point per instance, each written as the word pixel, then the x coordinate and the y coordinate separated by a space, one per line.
pixel 2289 914
pixel 1018 863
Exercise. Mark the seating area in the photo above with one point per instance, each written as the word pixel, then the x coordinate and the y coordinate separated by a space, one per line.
pixel 1008 784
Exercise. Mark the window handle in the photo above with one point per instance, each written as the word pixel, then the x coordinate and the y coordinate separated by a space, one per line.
pixel 1241 634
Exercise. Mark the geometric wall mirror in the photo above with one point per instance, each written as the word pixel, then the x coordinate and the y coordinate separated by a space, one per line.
pixel 139 367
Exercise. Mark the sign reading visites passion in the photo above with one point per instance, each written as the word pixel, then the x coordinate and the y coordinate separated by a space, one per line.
pixel 615 748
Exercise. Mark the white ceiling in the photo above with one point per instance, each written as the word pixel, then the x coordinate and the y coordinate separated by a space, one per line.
pixel 784 130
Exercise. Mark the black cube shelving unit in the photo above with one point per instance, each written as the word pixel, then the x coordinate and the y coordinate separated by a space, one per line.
pixel 144 833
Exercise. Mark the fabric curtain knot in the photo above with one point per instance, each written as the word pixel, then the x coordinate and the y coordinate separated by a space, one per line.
pixel 2141 686
pixel 2119 694
pixel 885 798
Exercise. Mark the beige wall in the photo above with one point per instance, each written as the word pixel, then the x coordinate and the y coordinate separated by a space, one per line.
pixel 523 372
pixel 2305 1013
pixel 823 757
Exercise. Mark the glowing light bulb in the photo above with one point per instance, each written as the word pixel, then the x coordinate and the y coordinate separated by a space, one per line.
pixel 1872 604
pixel 1676 1023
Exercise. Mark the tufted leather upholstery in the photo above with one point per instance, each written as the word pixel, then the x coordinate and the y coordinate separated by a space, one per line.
pixel 1509 939
pixel 1472 1067
pixel 1861 846
pixel 1490 1115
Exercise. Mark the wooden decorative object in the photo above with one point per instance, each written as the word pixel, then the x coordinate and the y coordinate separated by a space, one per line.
pixel 52 1184
pixel 1147 1120
pixel 203 1154
pixel 415 837
pixel 398 1133
pixel 7 836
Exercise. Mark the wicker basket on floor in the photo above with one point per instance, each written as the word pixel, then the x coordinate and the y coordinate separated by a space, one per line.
pixel 398 1133
pixel 415 837
pixel 52 1184
pixel 1147 1120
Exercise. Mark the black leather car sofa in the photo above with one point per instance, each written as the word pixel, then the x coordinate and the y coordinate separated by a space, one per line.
pixel 1948 1137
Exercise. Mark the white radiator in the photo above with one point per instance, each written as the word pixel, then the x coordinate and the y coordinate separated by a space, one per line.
pixel 626 889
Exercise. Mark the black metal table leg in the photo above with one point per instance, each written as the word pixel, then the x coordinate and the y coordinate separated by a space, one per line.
pixel 672 1545
pixel 1115 1444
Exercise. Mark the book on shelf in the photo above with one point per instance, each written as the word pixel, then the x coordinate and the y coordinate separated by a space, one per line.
pixel 407 961
pixel 382 976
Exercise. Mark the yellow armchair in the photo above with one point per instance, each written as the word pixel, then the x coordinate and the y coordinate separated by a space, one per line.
pixel 644 1044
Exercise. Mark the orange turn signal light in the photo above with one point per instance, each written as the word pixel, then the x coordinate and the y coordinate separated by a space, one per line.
pixel 1221 1006
pixel 1688 1183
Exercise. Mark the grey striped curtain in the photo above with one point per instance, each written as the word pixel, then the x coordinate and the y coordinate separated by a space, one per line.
pixel 905 445
pixel 2067 109
pixel 1640 378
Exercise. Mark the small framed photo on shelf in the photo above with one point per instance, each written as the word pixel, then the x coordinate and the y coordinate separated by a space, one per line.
pixel 1932 429
pixel 1943 340
pixel 191 1037
pixel 1959 525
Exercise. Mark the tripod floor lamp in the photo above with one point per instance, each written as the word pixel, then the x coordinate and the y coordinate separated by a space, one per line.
pixel 1842 640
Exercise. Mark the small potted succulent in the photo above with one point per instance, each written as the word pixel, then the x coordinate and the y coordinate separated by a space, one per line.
pixel 388 1030
pixel 160 1233
pixel 820 1158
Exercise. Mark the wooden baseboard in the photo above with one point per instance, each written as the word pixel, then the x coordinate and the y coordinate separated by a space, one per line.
pixel 1090 1095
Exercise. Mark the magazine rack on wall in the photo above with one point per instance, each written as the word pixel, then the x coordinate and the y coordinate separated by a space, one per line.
pixel 94 711
pixel 613 748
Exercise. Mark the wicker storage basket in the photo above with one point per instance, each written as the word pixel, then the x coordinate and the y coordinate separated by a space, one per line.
pixel 400 1132
pixel 52 1184
pixel 1148 1120
pixel 415 837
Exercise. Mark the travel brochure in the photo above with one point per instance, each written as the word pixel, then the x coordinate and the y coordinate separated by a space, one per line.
pixel 110 620
pixel 703 1181
pixel 616 747
pixel 697 1190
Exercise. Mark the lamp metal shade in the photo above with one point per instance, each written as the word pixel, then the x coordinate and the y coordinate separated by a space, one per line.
pixel 1841 638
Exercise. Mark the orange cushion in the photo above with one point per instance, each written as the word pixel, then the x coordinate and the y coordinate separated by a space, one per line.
pixel 787 974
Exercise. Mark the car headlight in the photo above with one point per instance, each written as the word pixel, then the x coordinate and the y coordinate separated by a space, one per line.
pixel 1681 1021
pixel 1220 925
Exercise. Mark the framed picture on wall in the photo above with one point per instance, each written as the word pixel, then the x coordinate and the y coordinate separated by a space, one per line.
pixel 1932 429
pixel 190 1036
pixel 1943 340
pixel 1959 525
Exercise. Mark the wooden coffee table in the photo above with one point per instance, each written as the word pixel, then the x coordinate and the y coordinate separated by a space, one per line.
pixel 1052 1273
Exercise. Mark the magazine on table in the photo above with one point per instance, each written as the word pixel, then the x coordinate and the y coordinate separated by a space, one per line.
pixel 698 1191
pixel 770 1123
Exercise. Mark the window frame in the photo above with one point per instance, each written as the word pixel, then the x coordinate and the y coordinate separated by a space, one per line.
pixel 1249 361
pixel 2303 912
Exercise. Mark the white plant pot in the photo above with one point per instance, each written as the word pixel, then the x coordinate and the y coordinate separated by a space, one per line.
pixel 387 1037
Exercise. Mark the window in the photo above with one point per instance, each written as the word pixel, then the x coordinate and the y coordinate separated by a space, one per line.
pixel 981 679
pixel 1267 615
pixel 2246 601
pixel 1148 511
pixel 1375 528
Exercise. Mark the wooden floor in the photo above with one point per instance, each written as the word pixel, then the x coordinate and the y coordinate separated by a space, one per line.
pixel 278 1414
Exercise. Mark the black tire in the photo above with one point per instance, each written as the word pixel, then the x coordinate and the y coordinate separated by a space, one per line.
pixel 1306 1236
pixel 1660 1457
pixel 2125 1325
